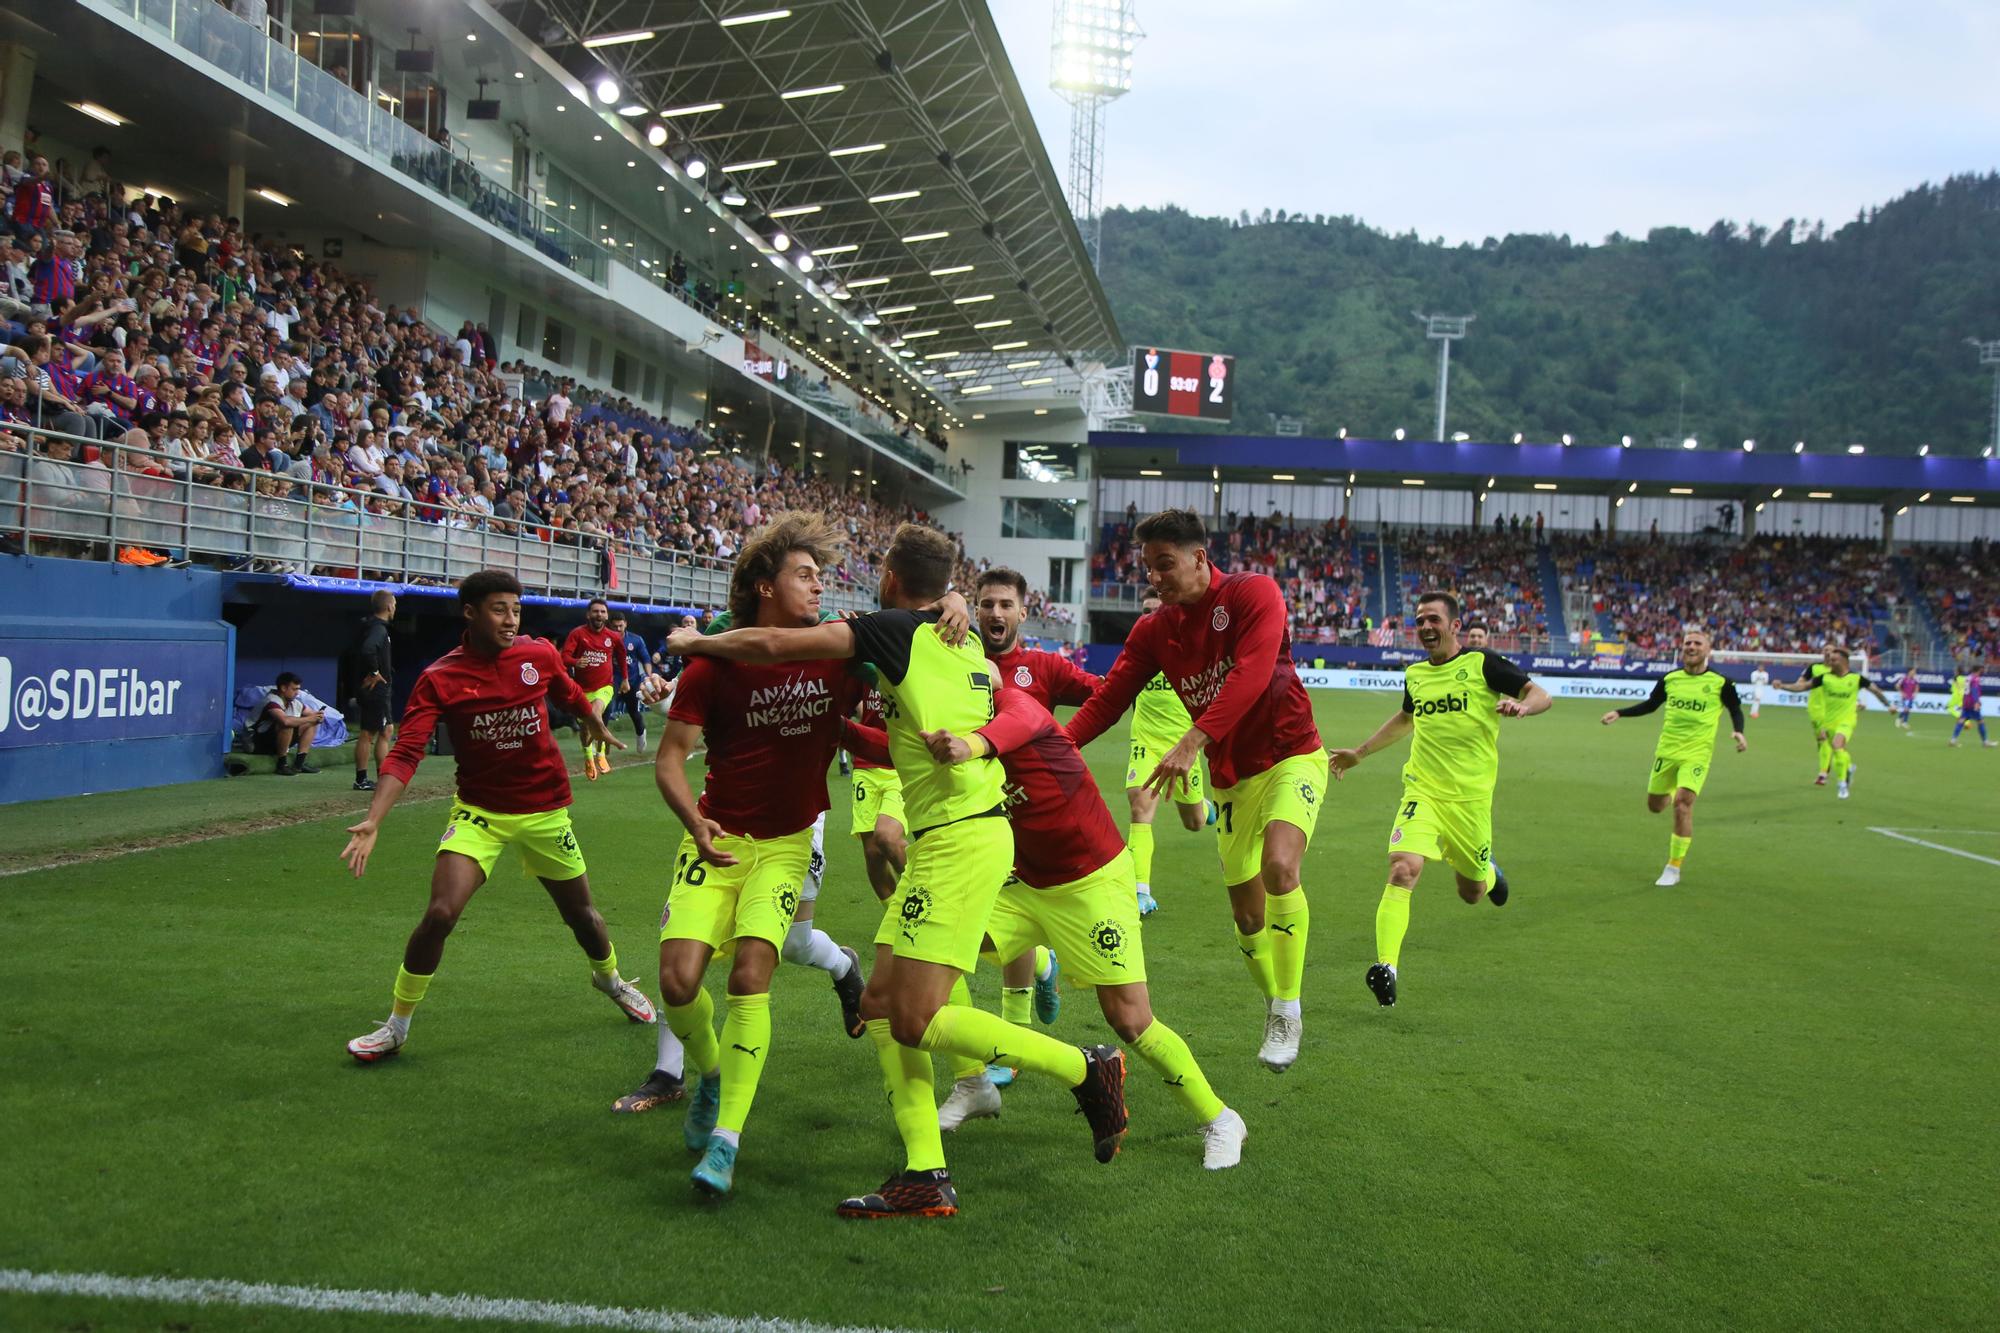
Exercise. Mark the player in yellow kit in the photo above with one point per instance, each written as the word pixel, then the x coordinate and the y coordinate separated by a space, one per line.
pixel 1452 705
pixel 1694 698
pixel 1159 720
pixel 1841 688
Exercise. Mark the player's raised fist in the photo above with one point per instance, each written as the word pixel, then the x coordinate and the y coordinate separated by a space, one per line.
pixel 1609 717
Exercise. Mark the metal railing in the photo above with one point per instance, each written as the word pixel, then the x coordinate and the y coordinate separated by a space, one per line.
pixel 284 523
pixel 241 51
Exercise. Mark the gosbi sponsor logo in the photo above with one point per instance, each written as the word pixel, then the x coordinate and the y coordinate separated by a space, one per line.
pixel 1451 703
pixel 82 695
pixel 1692 705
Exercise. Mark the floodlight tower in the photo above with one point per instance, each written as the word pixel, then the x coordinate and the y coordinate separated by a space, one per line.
pixel 1090 65
pixel 1989 355
pixel 1442 329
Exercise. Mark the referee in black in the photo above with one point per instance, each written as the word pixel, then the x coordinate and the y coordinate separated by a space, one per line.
pixel 370 674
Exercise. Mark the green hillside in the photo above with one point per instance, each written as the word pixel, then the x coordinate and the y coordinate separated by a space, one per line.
pixel 1799 331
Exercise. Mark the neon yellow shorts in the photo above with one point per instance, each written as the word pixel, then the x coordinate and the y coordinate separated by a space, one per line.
pixel 545 840
pixel 600 699
pixel 1289 790
pixel 1092 924
pixel 1147 751
pixel 1672 771
pixel 1816 710
pixel 877 792
pixel 1459 833
pixel 939 911
pixel 754 899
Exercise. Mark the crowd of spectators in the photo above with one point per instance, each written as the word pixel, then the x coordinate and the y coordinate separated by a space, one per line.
pixel 1962 585
pixel 182 349
pixel 1497 575
pixel 1769 594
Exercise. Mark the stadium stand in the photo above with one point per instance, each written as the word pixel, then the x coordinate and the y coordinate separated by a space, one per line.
pixel 1961 597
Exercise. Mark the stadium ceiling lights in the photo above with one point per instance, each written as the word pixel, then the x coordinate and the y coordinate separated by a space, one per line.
pixel 925 236
pixel 895 196
pixel 1799 448
pixel 993 324
pixel 1399 432
pixel 1962 499
pixel 1566 441
pixel 1545 485
pixel 733 167
pixel 950 269
pixel 872 282
pixel 971 300
pixel 607 90
pixel 1024 365
pixel 1341 434
pixel 1923 451
pixel 820 90
pixel 855 150
pixel 1680 490
pixel 1008 347
pixel 806 262
pixel 1633 489
pixel 1283 476
pixel 1037 381
pixel 889 309
pixel 922 333
pixel 695 109
pixel 1749 446
pixel 734 198
pixel 632 109
pixel 96 112
pixel 761 16
pixel 1624 441
pixel 797 210
pixel 1690 443
pixel 1819 495
pixel 978 388
pixel 1517 437
pixel 959 374
pixel 619 38
pixel 1413 481
pixel 1857 449
pixel 280 200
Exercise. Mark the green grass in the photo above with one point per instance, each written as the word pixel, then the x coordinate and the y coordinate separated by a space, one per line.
pixel 1758 1100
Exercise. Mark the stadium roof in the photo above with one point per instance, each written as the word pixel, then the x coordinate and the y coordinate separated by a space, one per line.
pixel 1591 470
pixel 889 137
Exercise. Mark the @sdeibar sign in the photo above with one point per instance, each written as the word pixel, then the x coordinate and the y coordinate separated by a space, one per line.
pixel 61 692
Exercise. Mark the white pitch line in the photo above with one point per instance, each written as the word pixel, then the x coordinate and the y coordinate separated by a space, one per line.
pixel 327 1300
pixel 1935 846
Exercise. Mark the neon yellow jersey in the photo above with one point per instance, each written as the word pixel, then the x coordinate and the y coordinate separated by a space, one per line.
pixel 1958 693
pixel 1455 743
pixel 1841 696
pixel 1694 704
pixel 1159 713
pixel 929 686
pixel 1815 701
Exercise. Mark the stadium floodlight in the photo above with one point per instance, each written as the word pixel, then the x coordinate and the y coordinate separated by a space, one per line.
pixel 1690 443
pixel 695 167
pixel 632 109
pixel 1799 448
pixel 1632 489
pixel 619 38
pixel 656 134
pixel 1459 437
pixel 1443 330
pixel 1777 492
pixel 1517 437
pixel 1566 440
pixel 1090 66
pixel 1857 449
pixel 806 262
pixel 1749 446
pixel 1624 441
pixel 1340 434
pixel 1923 451
pixel 1399 432
pixel 607 90
pixel 780 242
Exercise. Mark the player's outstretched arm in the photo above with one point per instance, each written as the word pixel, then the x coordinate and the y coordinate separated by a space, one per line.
pixel 670 776
pixel 832 640
pixel 1397 727
pixel 361 837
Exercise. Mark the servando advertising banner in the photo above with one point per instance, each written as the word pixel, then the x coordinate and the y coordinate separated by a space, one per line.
pixel 61 692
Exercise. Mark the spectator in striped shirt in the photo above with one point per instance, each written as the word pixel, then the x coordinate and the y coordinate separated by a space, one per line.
pixel 34 199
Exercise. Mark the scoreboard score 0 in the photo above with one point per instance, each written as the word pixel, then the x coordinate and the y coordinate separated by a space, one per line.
pixel 1183 384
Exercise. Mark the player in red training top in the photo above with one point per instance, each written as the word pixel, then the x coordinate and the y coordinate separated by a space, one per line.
pixel 771 732
pixel 594 653
pixel 1223 643
pixel 1050 679
pixel 491 692
pixel 1071 891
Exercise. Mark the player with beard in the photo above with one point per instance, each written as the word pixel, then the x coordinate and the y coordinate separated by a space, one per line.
pixel 594 653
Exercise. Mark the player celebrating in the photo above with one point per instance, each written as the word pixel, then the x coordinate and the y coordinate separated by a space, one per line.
pixel 1453 702
pixel 492 694
pixel 1759 680
pixel 1072 890
pixel 1223 642
pixel 1906 696
pixel 1694 698
pixel 1842 690
pixel 1968 709
pixel 1159 720
pixel 1816 709
pixel 595 654
pixel 1051 679
pixel 877 818
pixel 637 660
pixel 771 732
pixel 962 848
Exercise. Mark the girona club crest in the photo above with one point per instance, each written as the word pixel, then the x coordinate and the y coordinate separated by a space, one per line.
pixel 1022 677
pixel 530 676
pixel 1220 620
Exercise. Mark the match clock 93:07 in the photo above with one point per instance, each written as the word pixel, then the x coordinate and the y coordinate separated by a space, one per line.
pixel 1183 384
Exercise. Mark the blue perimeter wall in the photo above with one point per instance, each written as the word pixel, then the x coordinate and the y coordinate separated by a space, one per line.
pixel 111 677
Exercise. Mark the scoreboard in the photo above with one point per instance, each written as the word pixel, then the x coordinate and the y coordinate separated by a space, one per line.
pixel 1183 384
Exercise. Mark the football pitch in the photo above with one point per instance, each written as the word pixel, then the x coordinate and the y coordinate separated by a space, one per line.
pixel 1763 1099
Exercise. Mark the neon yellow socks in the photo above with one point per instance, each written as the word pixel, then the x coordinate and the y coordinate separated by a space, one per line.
pixel 605 968
pixel 963 1030
pixel 1139 837
pixel 1825 755
pixel 410 988
pixel 1677 848
pixel 1843 759
pixel 1392 922
pixel 1017 1004
pixel 1162 1048
pixel 1257 954
pixel 746 1037
pixel 963 1066
pixel 912 1099
pixel 694 1024
pixel 1286 918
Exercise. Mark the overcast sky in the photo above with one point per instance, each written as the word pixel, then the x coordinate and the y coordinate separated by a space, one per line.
pixel 1467 119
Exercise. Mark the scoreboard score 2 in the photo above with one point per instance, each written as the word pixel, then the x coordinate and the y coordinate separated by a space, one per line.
pixel 1183 384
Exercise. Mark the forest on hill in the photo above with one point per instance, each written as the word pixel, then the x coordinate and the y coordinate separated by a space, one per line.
pixel 1837 336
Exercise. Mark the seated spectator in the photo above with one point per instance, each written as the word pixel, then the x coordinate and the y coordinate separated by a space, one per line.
pixel 287 722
